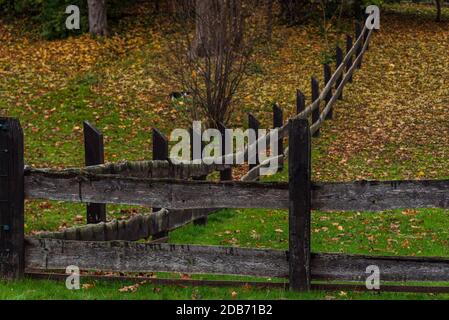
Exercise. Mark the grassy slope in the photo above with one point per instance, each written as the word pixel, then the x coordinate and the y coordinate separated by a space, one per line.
pixel 392 125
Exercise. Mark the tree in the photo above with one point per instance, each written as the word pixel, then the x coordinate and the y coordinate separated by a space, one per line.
pixel 211 56
pixel 438 4
pixel 98 21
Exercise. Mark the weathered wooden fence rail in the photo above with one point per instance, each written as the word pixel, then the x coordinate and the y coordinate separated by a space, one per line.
pixel 54 254
pixel 95 247
pixel 182 194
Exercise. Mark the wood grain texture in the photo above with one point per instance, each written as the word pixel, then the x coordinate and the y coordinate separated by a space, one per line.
pixel 339 62
pixel 94 155
pixel 300 205
pixel 160 152
pixel 173 194
pixel 353 268
pixel 170 194
pixel 136 228
pixel 142 169
pixel 379 196
pixel 46 254
pixel 51 254
pixel 11 199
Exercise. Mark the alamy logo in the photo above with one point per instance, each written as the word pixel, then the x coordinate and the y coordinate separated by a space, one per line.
pixel 73 20
pixel 373 280
pixel 73 280
pixel 373 21
pixel 239 146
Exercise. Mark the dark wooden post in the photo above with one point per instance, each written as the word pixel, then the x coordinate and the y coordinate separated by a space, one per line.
pixel 198 135
pixel 12 258
pixel 300 102
pixel 358 32
pixel 278 122
pixel 160 146
pixel 94 155
pixel 160 152
pixel 365 36
pixel 300 205
pixel 254 124
pixel 339 57
pixel 225 175
pixel 315 96
pixel 327 78
pixel 348 48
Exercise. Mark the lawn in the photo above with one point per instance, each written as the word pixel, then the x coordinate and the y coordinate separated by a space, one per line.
pixel 392 124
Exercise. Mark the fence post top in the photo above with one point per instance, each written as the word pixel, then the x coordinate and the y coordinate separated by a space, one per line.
pixel 88 126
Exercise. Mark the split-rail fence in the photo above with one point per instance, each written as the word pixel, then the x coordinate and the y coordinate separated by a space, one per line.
pixel 112 246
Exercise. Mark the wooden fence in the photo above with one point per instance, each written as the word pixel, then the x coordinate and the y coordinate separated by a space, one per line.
pixel 186 196
pixel 345 67
pixel 109 246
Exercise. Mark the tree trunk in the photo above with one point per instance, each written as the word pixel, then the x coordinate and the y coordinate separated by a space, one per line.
pixel 438 3
pixel 270 19
pixel 204 15
pixel 217 21
pixel 98 21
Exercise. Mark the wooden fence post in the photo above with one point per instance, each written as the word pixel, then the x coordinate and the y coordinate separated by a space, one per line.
pixel 278 122
pixel 254 124
pixel 225 175
pixel 197 136
pixel 300 205
pixel 315 96
pixel 358 32
pixel 348 48
pixel 339 61
pixel 300 102
pixel 12 258
pixel 365 36
pixel 94 155
pixel 160 152
pixel 327 78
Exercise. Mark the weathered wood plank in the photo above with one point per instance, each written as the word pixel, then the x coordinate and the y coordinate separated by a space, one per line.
pixel 161 193
pixel 300 205
pixel 161 153
pixel 143 169
pixel 136 228
pixel 11 199
pixel 47 254
pixel 316 112
pixel 352 196
pixel 51 254
pixel 94 155
pixel 379 196
pixel 327 71
pixel 339 61
pixel 353 268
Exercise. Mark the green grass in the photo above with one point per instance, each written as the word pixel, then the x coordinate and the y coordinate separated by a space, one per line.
pixel 101 290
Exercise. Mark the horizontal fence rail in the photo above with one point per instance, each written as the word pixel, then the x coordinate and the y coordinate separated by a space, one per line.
pixel 51 254
pixel 178 194
pixel 136 228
